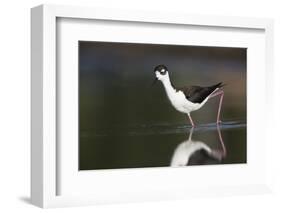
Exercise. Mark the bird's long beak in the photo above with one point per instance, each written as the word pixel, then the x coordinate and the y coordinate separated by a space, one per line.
pixel 155 80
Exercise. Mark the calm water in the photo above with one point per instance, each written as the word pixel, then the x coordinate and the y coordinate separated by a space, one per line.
pixel 163 145
pixel 126 123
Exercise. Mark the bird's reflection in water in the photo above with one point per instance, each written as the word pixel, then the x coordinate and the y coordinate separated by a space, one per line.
pixel 192 152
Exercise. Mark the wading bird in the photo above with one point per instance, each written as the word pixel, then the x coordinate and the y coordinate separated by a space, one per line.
pixel 188 98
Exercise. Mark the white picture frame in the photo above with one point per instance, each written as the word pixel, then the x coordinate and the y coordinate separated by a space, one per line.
pixel 44 149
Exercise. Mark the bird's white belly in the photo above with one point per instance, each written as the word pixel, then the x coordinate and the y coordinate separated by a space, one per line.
pixel 185 150
pixel 179 101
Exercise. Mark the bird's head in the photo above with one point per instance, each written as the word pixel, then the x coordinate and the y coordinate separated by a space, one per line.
pixel 161 73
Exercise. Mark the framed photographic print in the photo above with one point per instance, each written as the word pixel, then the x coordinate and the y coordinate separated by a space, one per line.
pixel 130 106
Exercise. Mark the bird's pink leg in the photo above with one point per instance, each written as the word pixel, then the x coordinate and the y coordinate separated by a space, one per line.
pixel 221 93
pixel 190 133
pixel 219 154
pixel 221 141
pixel 191 121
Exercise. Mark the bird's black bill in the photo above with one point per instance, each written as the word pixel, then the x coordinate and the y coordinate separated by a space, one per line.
pixel 155 80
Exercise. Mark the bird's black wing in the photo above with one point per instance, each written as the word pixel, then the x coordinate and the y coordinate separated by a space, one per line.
pixel 197 94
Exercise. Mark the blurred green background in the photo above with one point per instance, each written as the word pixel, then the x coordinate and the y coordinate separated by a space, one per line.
pixel 126 123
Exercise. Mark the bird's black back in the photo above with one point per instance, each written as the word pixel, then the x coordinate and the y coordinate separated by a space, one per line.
pixel 197 94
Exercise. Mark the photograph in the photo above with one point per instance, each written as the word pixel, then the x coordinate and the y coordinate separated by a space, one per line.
pixel 144 105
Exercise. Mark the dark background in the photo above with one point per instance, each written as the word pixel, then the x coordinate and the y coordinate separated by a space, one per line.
pixel 126 123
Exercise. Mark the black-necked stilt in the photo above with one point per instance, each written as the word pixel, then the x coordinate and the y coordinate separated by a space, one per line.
pixel 188 98
pixel 188 148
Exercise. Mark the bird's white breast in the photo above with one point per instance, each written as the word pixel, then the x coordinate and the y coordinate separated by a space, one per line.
pixel 179 101
pixel 184 151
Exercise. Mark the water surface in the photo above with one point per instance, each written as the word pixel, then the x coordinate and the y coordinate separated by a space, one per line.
pixel 163 145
